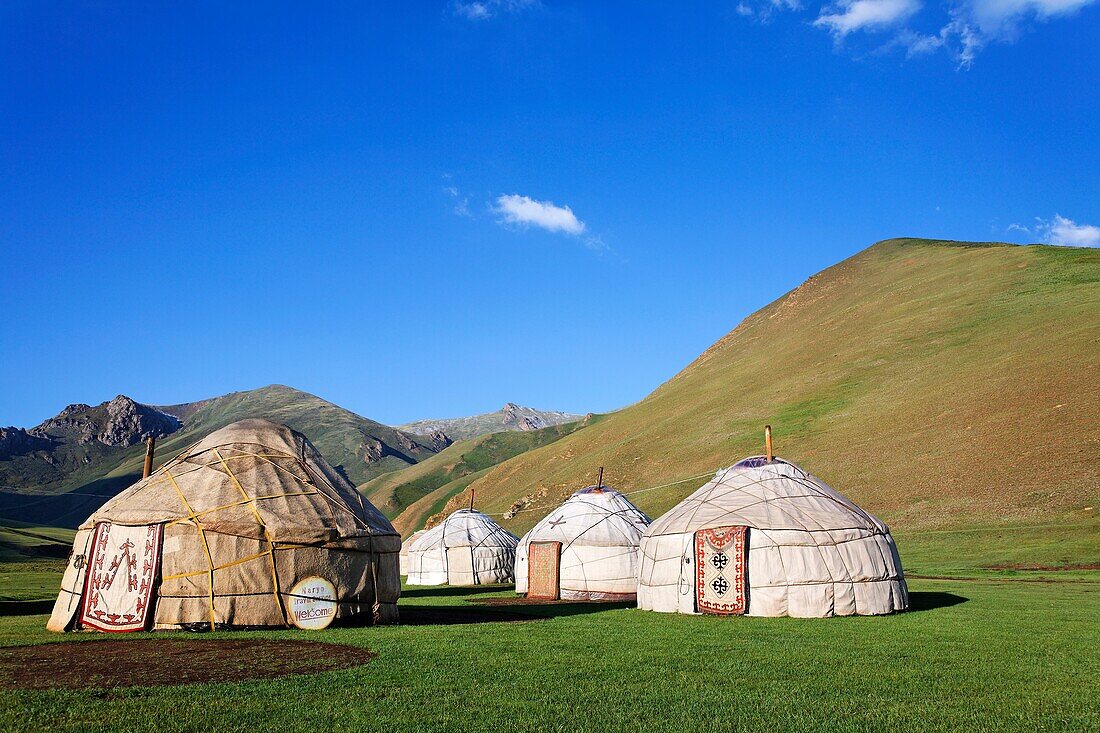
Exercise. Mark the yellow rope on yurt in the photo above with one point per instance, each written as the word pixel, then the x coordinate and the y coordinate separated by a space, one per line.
pixel 238 561
pixel 202 536
pixel 223 507
pixel 267 535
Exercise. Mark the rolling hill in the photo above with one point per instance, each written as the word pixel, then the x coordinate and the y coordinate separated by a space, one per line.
pixel 942 385
pixel 58 472
pixel 416 492
pixel 510 417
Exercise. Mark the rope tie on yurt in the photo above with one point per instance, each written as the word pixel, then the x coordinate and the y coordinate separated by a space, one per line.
pixel 276 591
pixel 202 536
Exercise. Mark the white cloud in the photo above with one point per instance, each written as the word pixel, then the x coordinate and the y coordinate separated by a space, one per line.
pixel 1061 231
pixel 854 15
pixel 1069 233
pixel 485 9
pixel 526 211
pixel 763 10
pixel 461 203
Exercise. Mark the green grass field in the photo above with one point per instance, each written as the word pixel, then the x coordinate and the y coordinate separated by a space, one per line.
pixel 988 654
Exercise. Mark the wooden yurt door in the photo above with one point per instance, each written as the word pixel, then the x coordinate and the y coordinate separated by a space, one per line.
pixel 120 580
pixel 721 563
pixel 460 566
pixel 544 570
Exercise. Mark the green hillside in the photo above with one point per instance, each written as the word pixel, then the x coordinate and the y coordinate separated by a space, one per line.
pixel 413 493
pixel 359 447
pixel 939 384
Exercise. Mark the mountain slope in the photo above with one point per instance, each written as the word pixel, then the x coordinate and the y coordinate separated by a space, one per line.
pixel 60 471
pixel 938 384
pixel 510 417
pixel 395 493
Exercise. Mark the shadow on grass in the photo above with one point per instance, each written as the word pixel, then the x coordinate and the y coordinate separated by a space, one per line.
pixel 931 600
pixel 481 612
pixel 445 591
pixel 25 608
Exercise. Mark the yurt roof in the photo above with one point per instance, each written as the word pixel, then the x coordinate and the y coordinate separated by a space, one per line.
pixel 767 495
pixel 595 516
pixel 253 478
pixel 465 528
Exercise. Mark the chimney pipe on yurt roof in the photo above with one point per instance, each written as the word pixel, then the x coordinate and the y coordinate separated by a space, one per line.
pixel 768 442
pixel 599 481
pixel 150 446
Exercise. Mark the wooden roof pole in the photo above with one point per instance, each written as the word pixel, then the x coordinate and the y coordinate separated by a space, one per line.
pixel 150 446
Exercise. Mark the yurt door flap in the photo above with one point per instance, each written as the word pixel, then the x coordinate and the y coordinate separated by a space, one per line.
pixel 460 566
pixel 543 570
pixel 120 578
pixel 720 570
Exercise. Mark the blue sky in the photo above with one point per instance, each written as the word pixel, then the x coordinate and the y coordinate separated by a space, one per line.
pixel 430 210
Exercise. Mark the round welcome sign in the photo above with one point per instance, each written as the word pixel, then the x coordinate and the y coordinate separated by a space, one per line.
pixel 312 603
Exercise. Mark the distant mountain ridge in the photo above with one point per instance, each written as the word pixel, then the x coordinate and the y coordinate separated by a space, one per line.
pixel 72 462
pixel 511 417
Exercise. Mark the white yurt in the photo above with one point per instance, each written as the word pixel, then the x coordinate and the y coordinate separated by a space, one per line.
pixel 248 527
pixel 466 548
pixel 585 550
pixel 404 556
pixel 765 538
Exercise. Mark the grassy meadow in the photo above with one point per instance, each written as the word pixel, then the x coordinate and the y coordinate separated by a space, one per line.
pixel 982 651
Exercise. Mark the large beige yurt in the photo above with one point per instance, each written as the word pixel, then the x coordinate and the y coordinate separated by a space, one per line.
pixel 765 538
pixel 585 550
pixel 466 548
pixel 405 545
pixel 249 527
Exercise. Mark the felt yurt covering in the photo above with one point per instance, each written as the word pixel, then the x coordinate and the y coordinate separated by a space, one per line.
pixel 223 534
pixel 405 545
pixel 765 538
pixel 466 548
pixel 585 550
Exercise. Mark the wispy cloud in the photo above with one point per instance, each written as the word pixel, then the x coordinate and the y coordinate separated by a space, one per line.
pixel 763 10
pixel 854 15
pixel 460 203
pixel 485 9
pixel 1061 231
pixel 525 211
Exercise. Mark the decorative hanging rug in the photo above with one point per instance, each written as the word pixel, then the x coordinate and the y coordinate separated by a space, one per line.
pixel 720 564
pixel 543 565
pixel 121 571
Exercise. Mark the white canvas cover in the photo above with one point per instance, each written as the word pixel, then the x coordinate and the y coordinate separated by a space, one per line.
pixel 404 556
pixel 466 548
pixel 244 515
pixel 599 530
pixel 811 551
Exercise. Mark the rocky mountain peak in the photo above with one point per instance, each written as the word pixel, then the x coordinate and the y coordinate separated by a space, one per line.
pixel 119 422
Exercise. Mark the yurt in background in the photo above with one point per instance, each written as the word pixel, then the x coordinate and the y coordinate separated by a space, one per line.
pixel 466 548
pixel 248 527
pixel 404 556
pixel 585 550
pixel 765 538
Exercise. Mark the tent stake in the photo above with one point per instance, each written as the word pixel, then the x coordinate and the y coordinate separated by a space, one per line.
pixel 599 481
pixel 768 441
pixel 150 446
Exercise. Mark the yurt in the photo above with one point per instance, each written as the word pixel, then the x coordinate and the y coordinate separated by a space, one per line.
pixel 585 550
pixel 404 556
pixel 249 527
pixel 466 548
pixel 765 538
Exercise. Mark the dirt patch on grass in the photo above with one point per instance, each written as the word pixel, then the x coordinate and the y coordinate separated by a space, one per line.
pixel 156 662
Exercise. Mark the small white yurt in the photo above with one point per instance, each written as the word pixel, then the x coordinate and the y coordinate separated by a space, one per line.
pixel 765 538
pixel 585 550
pixel 466 548
pixel 404 556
